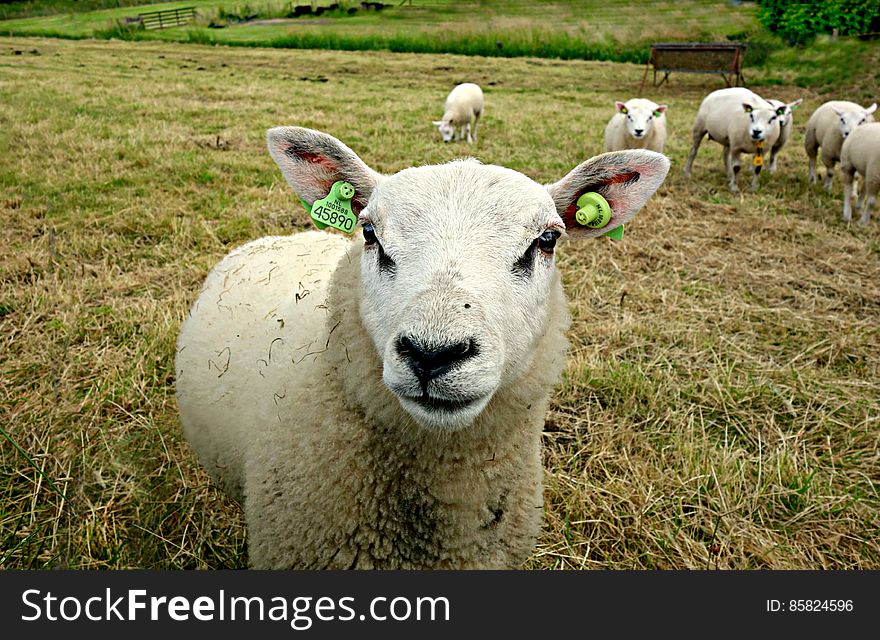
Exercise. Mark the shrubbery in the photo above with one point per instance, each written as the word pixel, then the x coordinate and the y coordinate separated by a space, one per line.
pixel 798 23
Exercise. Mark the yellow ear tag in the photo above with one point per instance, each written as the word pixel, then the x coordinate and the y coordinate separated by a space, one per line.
pixel 759 154
pixel 594 212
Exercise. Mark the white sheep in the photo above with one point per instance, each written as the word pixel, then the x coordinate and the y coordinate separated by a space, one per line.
pixel 462 111
pixel 827 128
pixel 379 403
pixel 638 124
pixel 742 122
pixel 786 125
pixel 861 154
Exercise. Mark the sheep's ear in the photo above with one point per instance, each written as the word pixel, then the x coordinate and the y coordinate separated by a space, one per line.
pixel 780 111
pixel 437 123
pixel 839 112
pixel 661 109
pixel 794 105
pixel 871 109
pixel 311 161
pixel 626 179
pixel 747 107
pixel 621 107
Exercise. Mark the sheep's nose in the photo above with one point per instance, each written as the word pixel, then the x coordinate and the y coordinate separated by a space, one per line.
pixel 431 361
pixel 638 132
pixel 757 134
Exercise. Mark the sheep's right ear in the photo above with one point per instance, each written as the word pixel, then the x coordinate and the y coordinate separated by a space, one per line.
pixel 621 107
pixel 626 179
pixel 311 161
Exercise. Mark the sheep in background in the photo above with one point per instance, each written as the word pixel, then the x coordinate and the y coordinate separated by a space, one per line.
pixel 786 124
pixel 827 128
pixel 379 403
pixel 462 111
pixel 638 124
pixel 860 154
pixel 742 122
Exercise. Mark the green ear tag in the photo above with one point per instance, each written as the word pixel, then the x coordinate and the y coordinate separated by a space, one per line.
pixel 334 209
pixel 616 233
pixel 595 212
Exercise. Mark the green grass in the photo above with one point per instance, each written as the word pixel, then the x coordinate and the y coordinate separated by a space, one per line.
pixel 585 29
pixel 721 404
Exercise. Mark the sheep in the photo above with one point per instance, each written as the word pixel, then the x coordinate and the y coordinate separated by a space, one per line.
pixel 827 127
pixel 379 404
pixel 638 124
pixel 861 153
pixel 742 122
pixel 462 111
pixel 786 124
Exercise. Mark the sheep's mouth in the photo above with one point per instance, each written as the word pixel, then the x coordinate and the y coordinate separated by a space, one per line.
pixel 433 403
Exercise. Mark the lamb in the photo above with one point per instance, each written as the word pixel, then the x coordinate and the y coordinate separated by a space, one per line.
pixel 827 128
pixel 742 122
pixel 464 106
pixel 379 404
pixel 861 153
pixel 638 124
pixel 786 124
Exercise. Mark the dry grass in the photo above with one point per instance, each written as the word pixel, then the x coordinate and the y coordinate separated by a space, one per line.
pixel 721 403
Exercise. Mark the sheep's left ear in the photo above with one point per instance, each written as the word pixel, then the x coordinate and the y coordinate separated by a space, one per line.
pixel 312 161
pixel 661 109
pixel 794 105
pixel 437 123
pixel 871 109
pixel 626 179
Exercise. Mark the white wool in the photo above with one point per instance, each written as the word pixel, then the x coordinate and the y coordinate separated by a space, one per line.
pixel 739 120
pixel 639 124
pixel 462 111
pixel 830 123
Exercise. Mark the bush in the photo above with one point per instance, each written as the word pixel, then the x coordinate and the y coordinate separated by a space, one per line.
pixel 798 23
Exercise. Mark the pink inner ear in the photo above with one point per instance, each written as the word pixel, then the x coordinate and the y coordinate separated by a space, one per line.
pixel 568 216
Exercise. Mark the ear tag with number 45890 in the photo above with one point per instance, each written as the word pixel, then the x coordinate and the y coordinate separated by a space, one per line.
pixel 334 209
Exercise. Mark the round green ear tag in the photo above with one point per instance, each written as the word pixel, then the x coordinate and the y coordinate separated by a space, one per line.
pixel 593 211
pixel 334 209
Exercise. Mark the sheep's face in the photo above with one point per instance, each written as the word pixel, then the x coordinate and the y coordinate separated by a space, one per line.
pixel 763 121
pixel 457 270
pixel 447 131
pixel 787 116
pixel 849 120
pixel 640 117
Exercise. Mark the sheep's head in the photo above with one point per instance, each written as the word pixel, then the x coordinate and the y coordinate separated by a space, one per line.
pixel 849 120
pixel 788 110
pixel 447 131
pixel 640 115
pixel 457 267
pixel 764 120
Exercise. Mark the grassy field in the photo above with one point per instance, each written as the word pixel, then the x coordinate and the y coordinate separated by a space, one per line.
pixel 721 403
pixel 592 29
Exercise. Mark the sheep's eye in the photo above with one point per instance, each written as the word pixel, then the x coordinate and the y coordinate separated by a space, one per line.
pixel 547 240
pixel 369 235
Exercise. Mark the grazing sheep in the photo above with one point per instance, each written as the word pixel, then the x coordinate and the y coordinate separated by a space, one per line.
pixel 861 153
pixel 379 403
pixel 827 128
pixel 464 106
pixel 638 124
pixel 742 122
pixel 786 124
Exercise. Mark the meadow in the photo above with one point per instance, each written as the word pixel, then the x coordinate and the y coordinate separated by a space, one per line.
pixel 721 404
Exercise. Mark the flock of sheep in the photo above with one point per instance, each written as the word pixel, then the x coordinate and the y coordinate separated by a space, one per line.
pixel 742 122
pixel 378 402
